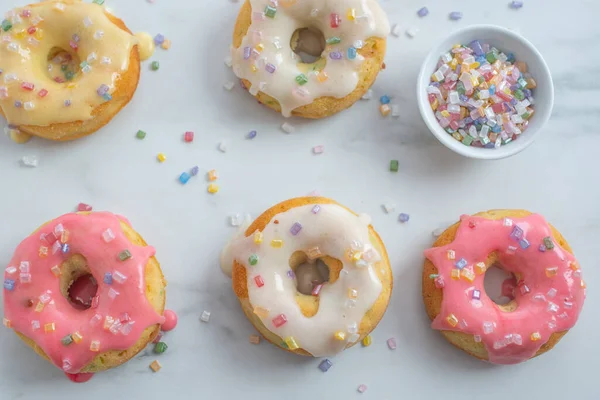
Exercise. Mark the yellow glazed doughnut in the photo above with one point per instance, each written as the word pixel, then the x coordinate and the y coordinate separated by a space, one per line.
pixel 346 41
pixel 121 316
pixel 66 69
pixel 546 298
pixel 312 276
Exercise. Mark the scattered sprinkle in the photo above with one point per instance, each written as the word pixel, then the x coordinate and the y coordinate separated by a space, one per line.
pixel 159 39
pixel 155 65
pixel 228 61
pixel 395 110
pixel 160 347
pixel 224 146
pixel 161 157
pixel 251 135
pixel 184 177
pixel 229 85
pixel 368 95
pixel 396 30
pixel 318 149
pixel 29 161
pixel 391 342
pixel 254 339
pixel 456 15
pixel 194 171
pixel 388 207
pixel 385 110
pixel 166 45
pixel 212 188
pixel 140 134
pixel 155 366
pixel 385 99
pixel 288 128
pixel 367 341
pixel 424 11
pixel 205 316
pixel 325 365
pixel 235 220
pixel 84 207
pixel 212 175
pixel 516 4
pixel 437 232
pixel 394 165
pixel 362 388
pixel 412 32
pixel 403 217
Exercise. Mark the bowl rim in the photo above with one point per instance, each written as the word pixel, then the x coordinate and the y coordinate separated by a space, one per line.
pixel 475 152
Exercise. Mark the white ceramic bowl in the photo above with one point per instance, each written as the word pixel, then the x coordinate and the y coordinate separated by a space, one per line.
pixel 508 42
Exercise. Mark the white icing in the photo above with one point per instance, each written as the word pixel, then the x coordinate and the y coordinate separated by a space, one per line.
pixel 275 35
pixel 334 230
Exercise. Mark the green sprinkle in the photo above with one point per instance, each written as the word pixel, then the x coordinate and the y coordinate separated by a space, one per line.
pixel 69 75
pixel 526 115
pixel 253 259
pixel 124 255
pixel 160 347
pixel 333 40
pixel 270 11
pixel 519 95
pixel 548 243
pixel 155 65
pixel 394 165
pixel 433 276
pixel 99 2
pixel 6 25
pixel 140 134
pixel 467 140
pixel 491 57
pixel 301 79
pixel 67 340
pixel 460 88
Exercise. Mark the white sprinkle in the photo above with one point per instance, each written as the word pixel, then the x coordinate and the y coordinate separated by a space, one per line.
pixel 87 21
pixel 396 30
pixel 28 105
pixel 437 232
pixel 388 207
pixel 395 110
pixel 368 95
pixel 228 61
pixel 29 161
pixel 224 146
pixel 288 128
pixel 412 32
pixel 318 149
pixel 229 85
pixel 205 316
pixel 235 220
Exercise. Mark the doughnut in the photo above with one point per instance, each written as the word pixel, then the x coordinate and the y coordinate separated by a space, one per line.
pixel 309 58
pixel 311 276
pixel 546 300
pixel 66 69
pixel 117 318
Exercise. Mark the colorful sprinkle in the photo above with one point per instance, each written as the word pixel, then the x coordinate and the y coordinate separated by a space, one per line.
pixel 188 137
pixel 254 339
pixel 295 229
pixel 205 316
pixel 212 188
pixel 325 365
pixel 516 4
pixel 184 177
pixel 161 157
pixel 394 165
pixel 155 366
pixel 124 255
pixel 403 217
pixel 362 388
pixel 155 65
pixel 140 134
pixel 160 347
pixel 251 135
pixel 424 11
pixel 279 320
pixel 456 15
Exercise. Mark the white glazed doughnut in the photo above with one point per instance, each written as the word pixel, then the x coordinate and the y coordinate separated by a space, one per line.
pixel 266 259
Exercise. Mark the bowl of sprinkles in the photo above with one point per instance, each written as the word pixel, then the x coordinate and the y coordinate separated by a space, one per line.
pixel 485 92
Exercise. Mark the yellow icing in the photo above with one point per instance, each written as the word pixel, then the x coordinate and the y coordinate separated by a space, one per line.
pixel 25 54
pixel 145 45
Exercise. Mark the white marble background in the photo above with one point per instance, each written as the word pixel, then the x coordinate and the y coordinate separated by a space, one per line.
pixel 113 171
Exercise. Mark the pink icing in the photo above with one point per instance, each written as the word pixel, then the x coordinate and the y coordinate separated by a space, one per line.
pixel 130 310
pixel 545 304
pixel 79 378
pixel 170 321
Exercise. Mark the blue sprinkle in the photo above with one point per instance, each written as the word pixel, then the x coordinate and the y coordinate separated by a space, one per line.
pixel 460 264
pixel 108 278
pixel 9 284
pixel 492 90
pixel 351 53
pixel 65 248
pixel 403 217
pixel 195 171
pixel 496 129
pixel 184 178
pixel 456 15
pixel 384 99
pixel 18 104
pixel 510 57
pixel 325 365
pixel 159 39
pixel 423 12
pixel 516 4
pixel 107 97
pixel 517 233
pixel 251 135
pixel 477 49
pixel 524 244
pixel 542 248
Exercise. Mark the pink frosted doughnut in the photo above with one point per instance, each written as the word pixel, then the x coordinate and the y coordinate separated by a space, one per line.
pixel 126 312
pixel 546 301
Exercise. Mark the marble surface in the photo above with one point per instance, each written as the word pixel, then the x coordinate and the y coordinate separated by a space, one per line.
pixel 114 171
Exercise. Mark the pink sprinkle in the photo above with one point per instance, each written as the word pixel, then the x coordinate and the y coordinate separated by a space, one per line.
pixel 84 207
pixel 279 320
pixel 319 149
pixel 362 388
pixel 27 86
pixel 43 93
pixel 158 337
pixel 188 137
pixel 317 289
pixel 391 342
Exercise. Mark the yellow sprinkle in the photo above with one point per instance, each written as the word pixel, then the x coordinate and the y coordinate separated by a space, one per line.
pixel 7 322
pixel 254 339
pixel 49 327
pixel 456 46
pixel 260 47
pixel 38 34
pixel 258 237
pixel 253 68
pixel 261 312
pixel 357 255
pixel 367 341
pixel 468 275
pixel 457 136
pixel 451 254
pixel 64 236
pixel 155 366
pixel 385 110
pixel 291 343
pixel 454 63
pixel 475 65
pixel 445 113
pixel 322 76
pixel 352 293
pixel 39 307
pixel 351 14
pixel 435 104
pixel 77 337
pixel 455 274
pixel 480 268
pixel 313 253
pixel 535 336
pixel 71 85
pixel 166 45
pixel 452 320
pixel 161 157
pixel 43 252
pixel 212 175
pixel 339 335
pixel 551 271
pixel 56 270
pixel 277 243
pixel 583 285
pixel 573 265
pixel 20 34
pixel 213 188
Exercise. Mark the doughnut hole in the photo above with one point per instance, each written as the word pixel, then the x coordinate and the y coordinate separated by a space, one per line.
pixel 499 285
pixel 309 273
pixel 308 44
pixel 77 284
pixel 62 65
